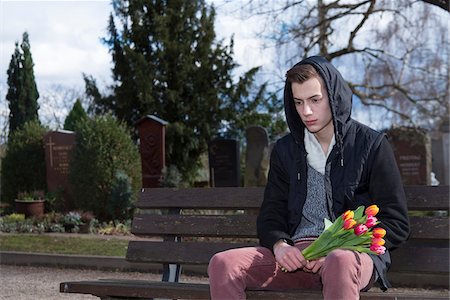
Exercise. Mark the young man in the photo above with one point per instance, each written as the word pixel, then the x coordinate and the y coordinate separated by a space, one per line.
pixel 329 163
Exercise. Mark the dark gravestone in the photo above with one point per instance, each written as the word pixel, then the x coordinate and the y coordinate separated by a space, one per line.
pixel 224 163
pixel 412 150
pixel 152 148
pixel 256 157
pixel 59 146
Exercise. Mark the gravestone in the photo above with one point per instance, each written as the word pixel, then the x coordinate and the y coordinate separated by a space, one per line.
pixel 412 150
pixel 152 149
pixel 256 157
pixel 440 153
pixel 224 166
pixel 59 146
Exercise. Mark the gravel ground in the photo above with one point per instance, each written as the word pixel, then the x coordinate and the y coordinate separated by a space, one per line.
pixel 31 283
pixel 26 283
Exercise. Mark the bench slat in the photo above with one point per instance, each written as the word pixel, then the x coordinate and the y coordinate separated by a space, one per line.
pixel 244 226
pixel 182 225
pixel 418 279
pixel 426 197
pixel 425 259
pixel 204 198
pixel 145 289
pixel 419 198
pixel 429 228
pixel 137 289
pixel 172 252
pixel 405 259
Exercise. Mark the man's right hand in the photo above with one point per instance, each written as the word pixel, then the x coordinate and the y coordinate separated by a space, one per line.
pixel 288 256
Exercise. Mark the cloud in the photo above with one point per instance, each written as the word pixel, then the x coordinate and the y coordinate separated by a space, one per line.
pixel 64 38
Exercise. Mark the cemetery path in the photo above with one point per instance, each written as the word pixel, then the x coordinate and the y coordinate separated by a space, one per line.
pixel 30 283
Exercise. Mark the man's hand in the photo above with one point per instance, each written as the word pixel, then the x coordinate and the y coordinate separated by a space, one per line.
pixel 288 257
pixel 314 266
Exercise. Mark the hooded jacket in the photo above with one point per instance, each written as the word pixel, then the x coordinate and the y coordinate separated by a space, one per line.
pixel 360 170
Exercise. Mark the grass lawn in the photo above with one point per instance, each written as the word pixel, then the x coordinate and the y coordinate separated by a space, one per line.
pixel 62 244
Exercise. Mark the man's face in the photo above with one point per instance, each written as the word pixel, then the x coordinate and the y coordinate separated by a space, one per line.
pixel 312 105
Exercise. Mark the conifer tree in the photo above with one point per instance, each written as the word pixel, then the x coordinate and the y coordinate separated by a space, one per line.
pixel 167 62
pixel 22 90
pixel 77 114
pixel 16 109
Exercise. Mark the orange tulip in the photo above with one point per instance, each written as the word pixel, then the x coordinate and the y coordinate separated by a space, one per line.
pixel 349 224
pixel 349 214
pixel 372 210
pixel 378 232
pixel 378 241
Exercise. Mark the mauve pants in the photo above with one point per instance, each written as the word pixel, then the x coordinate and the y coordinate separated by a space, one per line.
pixel 342 276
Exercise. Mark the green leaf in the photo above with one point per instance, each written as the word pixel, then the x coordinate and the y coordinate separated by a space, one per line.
pixel 359 212
pixel 328 223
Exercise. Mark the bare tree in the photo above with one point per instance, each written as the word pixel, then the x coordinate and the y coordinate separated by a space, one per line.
pixel 56 102
pixel 394 54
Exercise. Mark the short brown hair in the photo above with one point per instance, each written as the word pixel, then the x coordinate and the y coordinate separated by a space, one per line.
pixel 302 73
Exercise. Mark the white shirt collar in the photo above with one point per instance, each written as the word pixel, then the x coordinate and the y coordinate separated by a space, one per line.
pixel 316 157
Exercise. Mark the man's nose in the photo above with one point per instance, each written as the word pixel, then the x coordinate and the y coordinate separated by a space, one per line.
pixel 307 109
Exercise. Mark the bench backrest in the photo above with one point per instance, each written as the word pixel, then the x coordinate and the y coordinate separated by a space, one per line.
pixel 210 220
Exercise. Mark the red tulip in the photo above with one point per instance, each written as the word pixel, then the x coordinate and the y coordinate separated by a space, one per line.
pixel 371 221
pixel 377 249
pixel 361 229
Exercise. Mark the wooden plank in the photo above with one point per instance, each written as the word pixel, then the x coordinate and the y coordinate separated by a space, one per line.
pixel 418 280
pixel 244 225
pixel 428 227
pixel 371 295
pixel 426 197
pixel 172 252
pixel 145 289
pixel 202 198
pixel 421 259
pixel 137 289
pixel 222 226
pixel 419 198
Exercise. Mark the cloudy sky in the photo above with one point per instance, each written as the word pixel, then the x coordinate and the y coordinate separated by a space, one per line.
pixel 65 38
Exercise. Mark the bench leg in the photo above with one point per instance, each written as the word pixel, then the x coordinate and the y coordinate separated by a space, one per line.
pixel 171 272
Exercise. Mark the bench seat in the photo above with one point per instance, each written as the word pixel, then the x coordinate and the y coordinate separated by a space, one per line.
pixel 171 290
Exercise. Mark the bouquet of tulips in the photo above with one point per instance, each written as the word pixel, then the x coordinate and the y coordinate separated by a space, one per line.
pixel 353 230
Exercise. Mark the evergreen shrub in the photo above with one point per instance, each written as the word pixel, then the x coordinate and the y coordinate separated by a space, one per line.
pixel 23 167
pixel 104 163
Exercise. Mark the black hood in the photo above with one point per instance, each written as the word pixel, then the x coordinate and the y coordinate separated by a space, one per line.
pixel 339 95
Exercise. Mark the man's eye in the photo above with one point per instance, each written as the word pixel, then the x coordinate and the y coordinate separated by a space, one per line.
pixel 298 102
pixel 315 100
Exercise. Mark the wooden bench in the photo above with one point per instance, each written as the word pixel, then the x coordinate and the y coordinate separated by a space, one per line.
pixel 215 219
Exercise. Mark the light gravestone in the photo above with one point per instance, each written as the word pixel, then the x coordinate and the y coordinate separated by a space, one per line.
pixel 224 163
pixel 152 149
pixel 59 146
pixel 412 150
pixel 256 157
pixel 440 153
